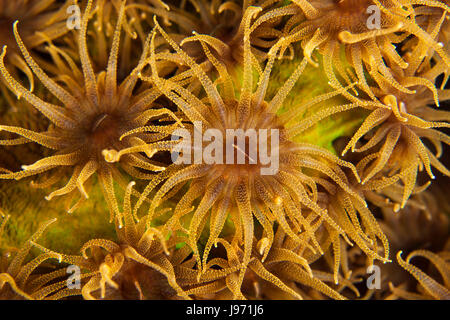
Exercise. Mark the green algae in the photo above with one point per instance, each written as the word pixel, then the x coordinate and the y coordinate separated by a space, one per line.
pixel 28 209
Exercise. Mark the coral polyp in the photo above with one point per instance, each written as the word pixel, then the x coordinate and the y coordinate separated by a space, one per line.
pixel 220 25
pixel 368 31
pixel 100 118
pixel 243 189
pixel 41 21
pixel 403 122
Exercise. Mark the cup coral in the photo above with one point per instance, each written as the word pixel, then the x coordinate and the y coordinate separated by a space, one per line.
pixel 99 119
pixel 243 149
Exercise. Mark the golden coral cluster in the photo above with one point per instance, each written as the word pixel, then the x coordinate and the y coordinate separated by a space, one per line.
pixel 126 76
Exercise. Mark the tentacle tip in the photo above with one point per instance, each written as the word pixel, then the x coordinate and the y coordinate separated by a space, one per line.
pixel 110 156
pixel 343 153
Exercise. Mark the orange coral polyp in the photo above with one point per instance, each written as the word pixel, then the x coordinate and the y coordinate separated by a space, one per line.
pixel 369 46
pixel 238 191
pixel 100 123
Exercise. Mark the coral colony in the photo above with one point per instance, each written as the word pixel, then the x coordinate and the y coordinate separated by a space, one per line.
pixel 224 149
